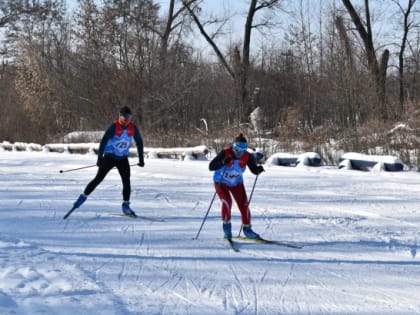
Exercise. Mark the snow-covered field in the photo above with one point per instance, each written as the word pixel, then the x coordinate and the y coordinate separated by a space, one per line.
pixel 360 231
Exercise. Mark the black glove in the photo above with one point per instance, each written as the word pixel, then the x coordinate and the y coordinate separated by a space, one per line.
pixel 141 163
pixel 100 161
pixel 227 160
pixel 260 169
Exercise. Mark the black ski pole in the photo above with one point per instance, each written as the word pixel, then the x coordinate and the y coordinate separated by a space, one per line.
pixel 83 167
pixel 76 169
pixel 205 217
pixel 208 210
pixel 249 201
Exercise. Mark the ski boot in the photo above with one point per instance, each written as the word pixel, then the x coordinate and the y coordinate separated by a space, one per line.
pixel 82 198
pixel 127 210
pixel 249 233
pixel 227 229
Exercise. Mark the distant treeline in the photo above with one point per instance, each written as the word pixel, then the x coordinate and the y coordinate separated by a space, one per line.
pixel 327 75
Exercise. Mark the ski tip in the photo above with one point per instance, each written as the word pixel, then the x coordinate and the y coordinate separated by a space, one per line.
pixel 124 215
pixel 232 245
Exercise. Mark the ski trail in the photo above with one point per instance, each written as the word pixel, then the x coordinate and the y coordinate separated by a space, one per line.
pixel 283 288
pixel 30 272
pixel 238 284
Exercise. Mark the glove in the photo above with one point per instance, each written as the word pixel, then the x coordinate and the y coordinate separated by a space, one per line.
pixel 99 162
pixel 260 169
pixel 227 160
pixel 141 163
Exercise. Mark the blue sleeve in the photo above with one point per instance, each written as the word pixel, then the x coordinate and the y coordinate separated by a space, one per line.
pixel 109 133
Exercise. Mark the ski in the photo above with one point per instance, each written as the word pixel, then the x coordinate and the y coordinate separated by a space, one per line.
pixel 153 219
pixel 124 215
pixel 280 243
pixel 232 245
pixel 69 212
pixel 273 242
pixel 121 215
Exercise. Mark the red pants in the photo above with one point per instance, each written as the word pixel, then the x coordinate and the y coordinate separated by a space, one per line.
pixel 238 192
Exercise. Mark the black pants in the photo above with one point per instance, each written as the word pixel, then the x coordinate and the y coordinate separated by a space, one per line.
pixel 107 164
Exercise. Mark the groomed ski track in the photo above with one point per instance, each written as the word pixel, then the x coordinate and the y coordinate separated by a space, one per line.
pixel 360 232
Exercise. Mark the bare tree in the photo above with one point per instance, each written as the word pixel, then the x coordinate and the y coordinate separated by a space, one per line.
pixel 240 65
pixel 175 21
pixel 377 68
pixel 413 68
pixel 407 25
pixel 13 13
pixel 13 10
pixel 40 62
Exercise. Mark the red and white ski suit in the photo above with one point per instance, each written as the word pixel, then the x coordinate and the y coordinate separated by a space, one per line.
pixel 228 181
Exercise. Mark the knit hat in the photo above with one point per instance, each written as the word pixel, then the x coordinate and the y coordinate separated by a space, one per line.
pixel 240 144
pixel 125 111
pixel 240 138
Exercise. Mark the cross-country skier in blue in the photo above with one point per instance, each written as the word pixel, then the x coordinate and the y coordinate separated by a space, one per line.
pixel 113 152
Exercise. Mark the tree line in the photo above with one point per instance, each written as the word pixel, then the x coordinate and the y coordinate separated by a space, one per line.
pixel 344 71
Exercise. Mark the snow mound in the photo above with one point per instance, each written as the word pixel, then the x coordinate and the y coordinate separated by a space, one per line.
pixel 358 161
pixel 287 159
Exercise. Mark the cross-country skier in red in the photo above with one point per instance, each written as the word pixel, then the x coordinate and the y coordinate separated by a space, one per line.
pixel 229 165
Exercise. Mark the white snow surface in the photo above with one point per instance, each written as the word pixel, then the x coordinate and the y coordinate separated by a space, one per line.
pixel 359 230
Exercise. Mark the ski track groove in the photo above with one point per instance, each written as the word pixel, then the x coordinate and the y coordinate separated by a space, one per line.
pixel 179 283
pixel 140 261
pixel 250 296
pixel 256 296
pixel 121 273
pixel 284 286
pixel 237 284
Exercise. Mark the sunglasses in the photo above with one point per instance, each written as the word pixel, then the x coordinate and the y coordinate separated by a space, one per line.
pixel 240 147
pixel 126 116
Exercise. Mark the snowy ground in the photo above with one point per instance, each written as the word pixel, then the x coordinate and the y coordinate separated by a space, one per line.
pixel 360 231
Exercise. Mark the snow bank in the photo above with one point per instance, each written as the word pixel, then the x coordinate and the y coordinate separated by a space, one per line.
pixel 189 153
pixel 287 159
pixel 362 162
pixel 193 153
pixel 83 136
